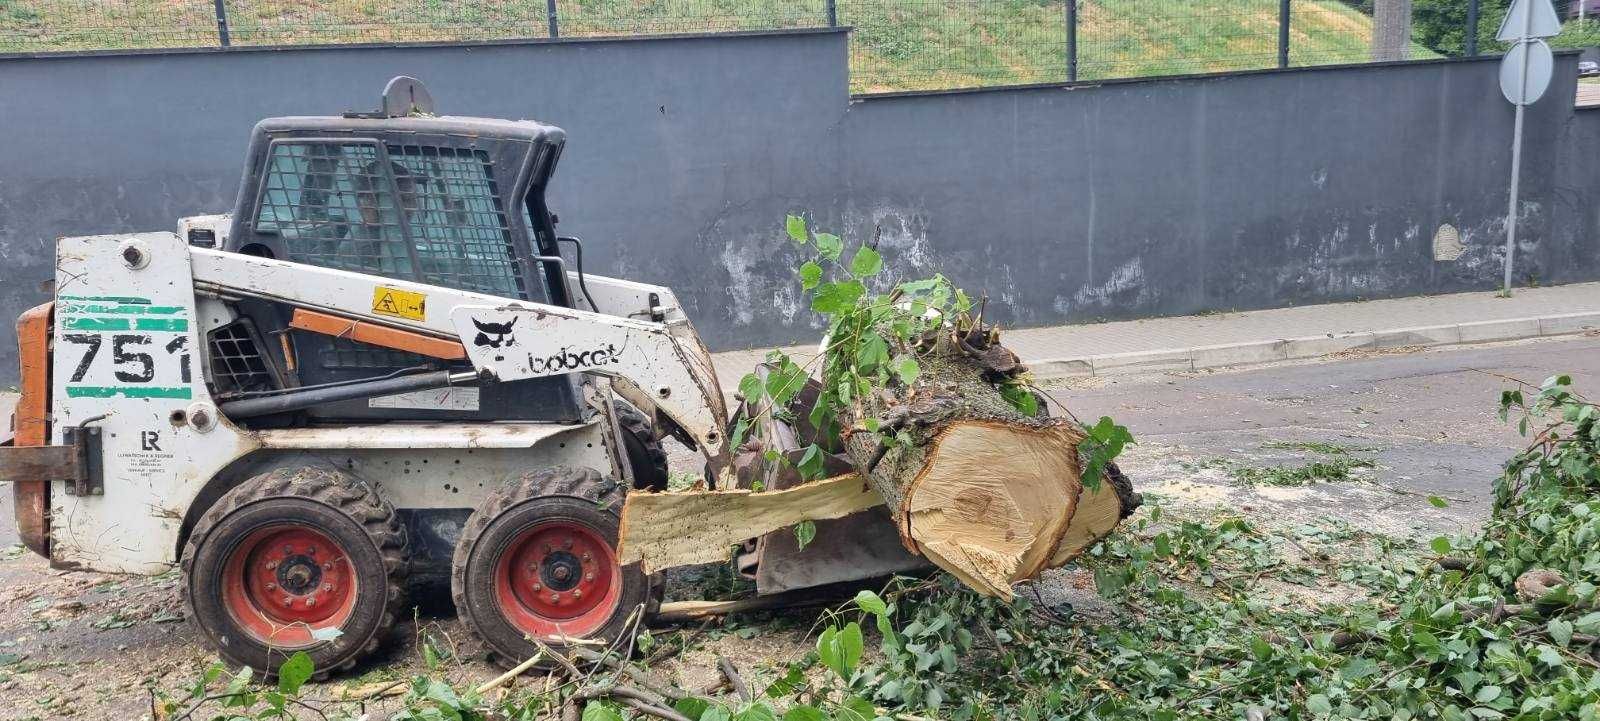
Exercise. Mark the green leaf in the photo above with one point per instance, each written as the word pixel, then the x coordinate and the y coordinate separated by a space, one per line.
pixel 906 369
pixel 810 274
pixel 829 246
pixel 865 263
pixel 1560 631
pixel 1318 704
pixel 874 352
pixel 751 389
pixel 692 707
pixel 856 708
pixel 1487 694
pixel 828 650
pixel 1021 398
pixel 294 673
pixel 850 642
pixel 870 602
pixel 1438 502
pixel 804 713
pixel 804 533
pixel 1358 668
pixel 758 711
pixel 1549 656
pixel 596 711
pixel 784 381
pixel 1440 545
pixel 837 298
pixel 796 226
pixel 810 465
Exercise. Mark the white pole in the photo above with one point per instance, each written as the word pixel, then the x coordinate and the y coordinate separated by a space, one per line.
pixel 1511 210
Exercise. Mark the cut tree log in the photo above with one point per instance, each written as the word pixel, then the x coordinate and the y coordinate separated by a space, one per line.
pixel 987 493
pixel 990 494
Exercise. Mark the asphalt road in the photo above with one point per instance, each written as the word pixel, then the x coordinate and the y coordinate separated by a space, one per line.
pixel 1427 419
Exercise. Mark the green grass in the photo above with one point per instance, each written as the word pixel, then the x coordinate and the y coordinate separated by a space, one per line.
pixel 898 44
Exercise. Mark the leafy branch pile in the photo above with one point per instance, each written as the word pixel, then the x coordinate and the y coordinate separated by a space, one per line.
pixel 915 394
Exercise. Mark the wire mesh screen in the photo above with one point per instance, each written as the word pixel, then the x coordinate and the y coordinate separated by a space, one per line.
pixel 454 213
pixel 896 44
pixel 332 206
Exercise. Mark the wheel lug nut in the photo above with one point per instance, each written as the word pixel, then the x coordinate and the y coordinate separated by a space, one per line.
pixel 555 598
pixel 311 550
pixel 287 601
pixel 586 557
pixel 311 602
pixel 272 587
pixel 588 577
pixel 327 566
pixel 577 593
pixel 538 587
pixel 272 565
pixel 288 550
pixel 548 548
pixel 327 587
pixel 567 544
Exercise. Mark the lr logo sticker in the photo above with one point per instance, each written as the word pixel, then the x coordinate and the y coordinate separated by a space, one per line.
pixel 399 303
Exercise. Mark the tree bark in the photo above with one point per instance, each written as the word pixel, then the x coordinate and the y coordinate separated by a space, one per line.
pixel 1391 30
pixel 980 489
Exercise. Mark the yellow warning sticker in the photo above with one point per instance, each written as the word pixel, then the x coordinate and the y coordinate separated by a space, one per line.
pixel 399 303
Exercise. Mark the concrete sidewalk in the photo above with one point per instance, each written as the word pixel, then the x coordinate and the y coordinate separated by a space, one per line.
pixel 1189 343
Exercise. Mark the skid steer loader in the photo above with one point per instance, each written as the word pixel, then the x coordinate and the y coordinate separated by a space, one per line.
pixel 378 365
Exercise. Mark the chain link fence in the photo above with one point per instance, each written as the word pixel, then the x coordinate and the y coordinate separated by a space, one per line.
pixel 897 44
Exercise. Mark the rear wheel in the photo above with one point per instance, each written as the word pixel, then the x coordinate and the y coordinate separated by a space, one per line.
pixel 538 559
pixel 301 559
pixel 646 457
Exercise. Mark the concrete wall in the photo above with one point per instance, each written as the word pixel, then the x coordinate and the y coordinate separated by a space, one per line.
pixel 1065 204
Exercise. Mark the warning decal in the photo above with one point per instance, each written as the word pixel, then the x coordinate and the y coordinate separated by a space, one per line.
pixel 399 303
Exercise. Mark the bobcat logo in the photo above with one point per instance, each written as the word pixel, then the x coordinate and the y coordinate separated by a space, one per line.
pixel 494 335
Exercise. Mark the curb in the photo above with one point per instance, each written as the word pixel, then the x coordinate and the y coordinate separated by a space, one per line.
pixel 1283 349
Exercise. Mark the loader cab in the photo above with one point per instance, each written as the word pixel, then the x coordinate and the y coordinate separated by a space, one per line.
pixel 401 193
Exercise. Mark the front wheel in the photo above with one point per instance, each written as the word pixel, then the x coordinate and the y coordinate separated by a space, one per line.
pixel 296 559
pixel 538 560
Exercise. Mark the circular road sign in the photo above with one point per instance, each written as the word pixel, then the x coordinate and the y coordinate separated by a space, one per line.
pixel 1525 72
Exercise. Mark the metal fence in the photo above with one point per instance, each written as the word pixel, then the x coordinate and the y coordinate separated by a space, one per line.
pixel 897 44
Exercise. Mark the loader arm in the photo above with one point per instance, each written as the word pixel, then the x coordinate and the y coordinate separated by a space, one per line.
pixel 506 339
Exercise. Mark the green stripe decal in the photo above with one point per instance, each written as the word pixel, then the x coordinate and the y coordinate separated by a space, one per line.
pixel 129 391
pixel 97 323
pixel 108 298
pixel 130 309
pixel 168 324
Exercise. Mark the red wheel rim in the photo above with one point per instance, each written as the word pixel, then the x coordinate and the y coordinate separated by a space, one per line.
pixel 285 582
pixel 558 578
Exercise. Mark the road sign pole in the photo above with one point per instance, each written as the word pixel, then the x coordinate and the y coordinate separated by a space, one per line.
pixel 1511 207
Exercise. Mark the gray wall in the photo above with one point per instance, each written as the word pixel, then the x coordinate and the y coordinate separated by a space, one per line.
pixel 1066 204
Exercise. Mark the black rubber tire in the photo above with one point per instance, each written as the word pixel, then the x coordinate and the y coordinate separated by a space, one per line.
pixel 581 495
pixel 646 457
pixel 334 504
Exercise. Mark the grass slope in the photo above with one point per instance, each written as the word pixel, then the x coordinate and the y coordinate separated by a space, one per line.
pixel 898 45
